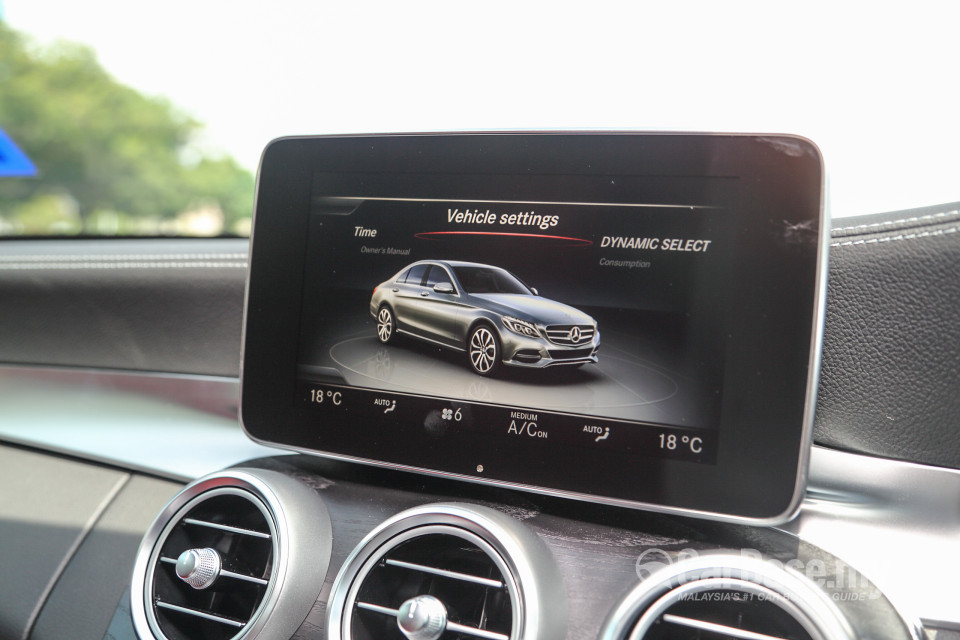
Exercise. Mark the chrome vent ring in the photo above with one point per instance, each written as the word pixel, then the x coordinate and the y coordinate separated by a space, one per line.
pixel 448 570
pixel 484 581
pixel 223 527
pixel 726 596
pixel 214 561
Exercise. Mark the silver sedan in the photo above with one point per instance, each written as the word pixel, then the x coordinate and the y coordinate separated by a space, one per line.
pixel 484 311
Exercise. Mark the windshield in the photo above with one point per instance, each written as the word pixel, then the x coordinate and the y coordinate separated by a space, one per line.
pixel 489 280
pixel 152 122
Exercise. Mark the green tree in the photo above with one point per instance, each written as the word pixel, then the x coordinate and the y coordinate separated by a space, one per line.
pixel 223 181
pixel 101 144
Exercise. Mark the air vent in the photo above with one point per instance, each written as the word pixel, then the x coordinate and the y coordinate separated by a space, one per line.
pixel 214 567
pixel 452 570
pixel 212 563
pixel 726 597
pixel 445 572
pixel 729 610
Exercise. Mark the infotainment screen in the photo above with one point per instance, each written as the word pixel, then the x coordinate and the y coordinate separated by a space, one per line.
pixel 626 318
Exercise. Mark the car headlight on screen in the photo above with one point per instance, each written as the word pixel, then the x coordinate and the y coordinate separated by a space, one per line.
pixel 522 327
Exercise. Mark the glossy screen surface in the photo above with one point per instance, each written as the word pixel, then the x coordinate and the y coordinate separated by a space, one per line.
pixel 622 317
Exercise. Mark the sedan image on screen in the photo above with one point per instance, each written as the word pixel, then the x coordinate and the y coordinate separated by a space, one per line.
pixel 484 311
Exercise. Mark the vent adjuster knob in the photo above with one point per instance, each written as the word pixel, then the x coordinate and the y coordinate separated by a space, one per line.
pixel 422 618
pixel 199 568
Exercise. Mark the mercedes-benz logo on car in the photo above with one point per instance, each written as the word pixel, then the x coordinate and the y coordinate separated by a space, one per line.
pixel 484 311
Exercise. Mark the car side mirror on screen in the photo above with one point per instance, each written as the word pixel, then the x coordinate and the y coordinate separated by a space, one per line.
pixel 534 290
pixel 443 287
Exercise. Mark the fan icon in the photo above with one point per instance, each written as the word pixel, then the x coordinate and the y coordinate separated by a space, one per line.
pixel 447 414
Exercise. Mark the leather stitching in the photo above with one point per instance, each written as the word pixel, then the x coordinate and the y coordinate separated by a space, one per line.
pixel 932 216
pixel 27 266
pixel 909 236
pixel 124 257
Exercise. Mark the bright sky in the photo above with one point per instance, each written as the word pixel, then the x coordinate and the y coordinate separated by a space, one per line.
pixel 875 88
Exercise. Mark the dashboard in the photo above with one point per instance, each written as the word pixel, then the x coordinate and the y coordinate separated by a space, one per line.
pixel 124 461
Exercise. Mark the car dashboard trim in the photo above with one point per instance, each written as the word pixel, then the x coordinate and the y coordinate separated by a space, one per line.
pixel 854 507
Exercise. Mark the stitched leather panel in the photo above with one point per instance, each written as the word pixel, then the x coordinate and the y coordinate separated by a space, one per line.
pixel 890 378
pixel 147 305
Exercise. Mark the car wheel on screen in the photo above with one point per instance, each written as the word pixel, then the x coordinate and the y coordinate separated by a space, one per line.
pixel 386 325
pixel 483 348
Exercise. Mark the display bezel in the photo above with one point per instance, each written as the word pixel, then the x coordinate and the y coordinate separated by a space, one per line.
pixel 769 386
